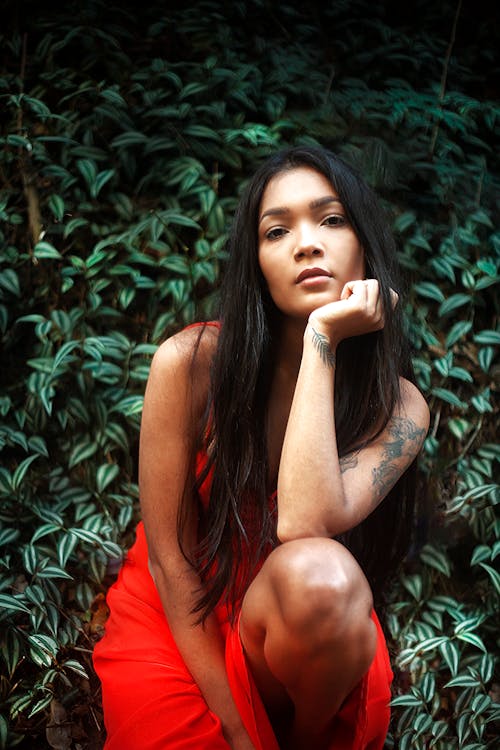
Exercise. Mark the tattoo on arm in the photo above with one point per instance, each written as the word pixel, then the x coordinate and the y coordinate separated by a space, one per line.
pixel 322 345
pixel 404 441
pixel 349 461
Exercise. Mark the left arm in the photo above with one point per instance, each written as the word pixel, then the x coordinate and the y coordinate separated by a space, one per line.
pixel 318 493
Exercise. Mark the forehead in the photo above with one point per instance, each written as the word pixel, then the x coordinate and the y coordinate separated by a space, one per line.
pixel 294 186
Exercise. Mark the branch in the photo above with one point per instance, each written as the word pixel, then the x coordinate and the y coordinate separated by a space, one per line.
pixel 444 74
pixel 30 191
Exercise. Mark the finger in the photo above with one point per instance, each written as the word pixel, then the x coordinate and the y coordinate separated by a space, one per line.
pixel 373 299
pixel 394 298
pixel 347 290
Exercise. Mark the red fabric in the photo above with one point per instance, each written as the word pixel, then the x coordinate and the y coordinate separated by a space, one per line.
pixel 151 702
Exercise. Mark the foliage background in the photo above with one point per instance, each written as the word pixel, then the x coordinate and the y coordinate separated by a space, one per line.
pixel 126 137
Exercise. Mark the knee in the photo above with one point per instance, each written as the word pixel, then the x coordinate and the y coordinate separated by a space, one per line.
pixel 322 593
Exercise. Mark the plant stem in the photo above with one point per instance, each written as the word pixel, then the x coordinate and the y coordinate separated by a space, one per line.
pixel 444 74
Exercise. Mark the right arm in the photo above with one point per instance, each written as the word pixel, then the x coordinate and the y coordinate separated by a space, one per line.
pixel 174 401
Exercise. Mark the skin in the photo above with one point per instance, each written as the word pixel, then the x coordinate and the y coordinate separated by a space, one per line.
pixel 305 623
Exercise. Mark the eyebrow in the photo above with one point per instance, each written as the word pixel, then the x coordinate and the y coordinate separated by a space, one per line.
pixel 280 211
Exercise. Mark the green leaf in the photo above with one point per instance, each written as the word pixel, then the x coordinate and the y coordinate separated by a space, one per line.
pixel 464 727
pixel 117 435
pixel 439 729
pixel 472 638
pixel 10 282
pixel 461 374
pixel 88 170
pixel 35 595
pixel 129 405
pixel 443 268
pixel 38 445
pixel 11 650
pixel 76 667
pixel 487 337
pixel 485 357
pixel 457 331
pixel 99 182
pixel 72 225
pixel 21 470
pixel 46 250
pixel 65 547
pixel 177 263
pixel 481 402
pixel 413 584
pixel 44 530
pixel 12 604
pixel 112 550
pixel 427 289
pixel 82 450
pixel 428 686
pixel 459 427
pixel 451 655
pixel 436 559
pixel 7 536
pixel 446 395
pixel 407 700
pixel 493 574
pixel 482 552
pixel 422 724
pixel 130 138
pixel 480 704
pixel 105 475
pixel 43 649
pixel 453 303
pixel 404 221
pixel 43 703
pixel 487 667
pixel 53 571
pixel 63 354
pixel 85 535
pixel 56 205
pixel 429 644
pixel 5 481
pixel 464 680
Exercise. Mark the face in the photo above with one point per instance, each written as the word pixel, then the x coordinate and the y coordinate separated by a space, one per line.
pixel 307 248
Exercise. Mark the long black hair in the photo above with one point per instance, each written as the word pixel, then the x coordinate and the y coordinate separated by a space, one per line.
pixel 239 524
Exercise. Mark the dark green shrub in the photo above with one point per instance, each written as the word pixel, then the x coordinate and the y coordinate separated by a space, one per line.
pixel 125 142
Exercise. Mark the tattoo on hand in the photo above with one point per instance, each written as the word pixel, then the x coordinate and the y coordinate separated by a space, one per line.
pixel 404 441
pixel 322 345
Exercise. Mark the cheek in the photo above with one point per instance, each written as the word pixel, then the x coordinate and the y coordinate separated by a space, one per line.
pixel 359 264
pixel 267 268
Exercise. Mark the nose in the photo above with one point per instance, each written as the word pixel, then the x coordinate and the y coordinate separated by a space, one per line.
pixel 307 243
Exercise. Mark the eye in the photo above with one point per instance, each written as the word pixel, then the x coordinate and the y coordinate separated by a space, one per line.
pixel 335 220
pixel 275 233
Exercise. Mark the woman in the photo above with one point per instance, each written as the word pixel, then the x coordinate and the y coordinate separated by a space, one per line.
pixel 239 619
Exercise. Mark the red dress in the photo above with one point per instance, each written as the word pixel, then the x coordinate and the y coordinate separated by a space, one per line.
pixel 151 702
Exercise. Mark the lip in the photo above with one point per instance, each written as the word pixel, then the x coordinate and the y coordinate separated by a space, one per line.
pixel 309 273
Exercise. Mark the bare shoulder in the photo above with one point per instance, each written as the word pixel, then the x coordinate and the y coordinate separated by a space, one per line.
pixel 193 347
pixel 413 405
pixel 180 370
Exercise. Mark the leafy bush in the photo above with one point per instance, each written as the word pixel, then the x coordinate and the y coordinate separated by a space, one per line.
pixel 125 142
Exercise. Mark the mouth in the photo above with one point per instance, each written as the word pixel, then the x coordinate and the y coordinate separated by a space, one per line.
pixel 309 273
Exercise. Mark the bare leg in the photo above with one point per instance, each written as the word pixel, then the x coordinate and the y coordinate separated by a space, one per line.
pixel 308 636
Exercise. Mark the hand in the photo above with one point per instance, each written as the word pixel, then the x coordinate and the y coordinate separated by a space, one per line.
pixel 359 310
